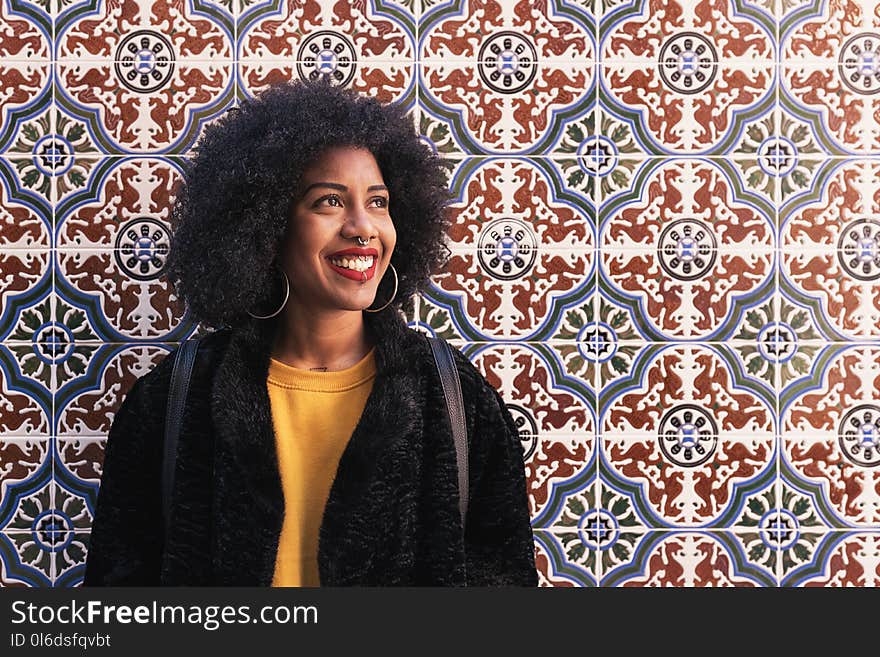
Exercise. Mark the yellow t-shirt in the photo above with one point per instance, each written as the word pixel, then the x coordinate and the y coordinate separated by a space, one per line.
pixel 314 415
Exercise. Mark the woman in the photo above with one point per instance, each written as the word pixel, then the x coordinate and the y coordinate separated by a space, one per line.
pixel 315 446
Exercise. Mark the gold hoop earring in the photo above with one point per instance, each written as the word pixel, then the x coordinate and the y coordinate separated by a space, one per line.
pixel 394 294
pixel 283 303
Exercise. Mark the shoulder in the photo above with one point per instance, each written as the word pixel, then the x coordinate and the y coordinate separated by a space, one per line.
pixel 153 385
pixel 476 390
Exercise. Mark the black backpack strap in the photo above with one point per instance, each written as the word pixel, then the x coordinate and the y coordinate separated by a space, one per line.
pixel 452 391
pixel 180 376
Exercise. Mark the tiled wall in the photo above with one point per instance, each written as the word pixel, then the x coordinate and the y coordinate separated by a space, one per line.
pixel 666 256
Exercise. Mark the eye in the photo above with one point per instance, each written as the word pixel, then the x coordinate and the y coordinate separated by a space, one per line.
pixel 329 198
pixel 383 202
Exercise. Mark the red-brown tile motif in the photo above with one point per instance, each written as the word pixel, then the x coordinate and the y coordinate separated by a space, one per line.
pixel 325 36
pixel 513 297
pixel 517 201
pixel 143 115
pixel 85 408
pixel 389 82
pixel 689 560
pixel 130 210
pixel 497 120
pixel 123 31
pixel 831 436
pixel 124 286
pixel 517 32
pixel 688 434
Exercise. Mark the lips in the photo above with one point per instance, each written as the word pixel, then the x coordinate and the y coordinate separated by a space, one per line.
pixel 351 273
pixel 356 275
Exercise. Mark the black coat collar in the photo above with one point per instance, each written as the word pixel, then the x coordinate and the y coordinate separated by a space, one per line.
pixel 248 508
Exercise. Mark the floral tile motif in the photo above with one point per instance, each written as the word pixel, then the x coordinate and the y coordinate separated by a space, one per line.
pixel 25 91
pixel 24 295
pixel 119 292
pixel 51 156
pixel 326 37
pixel 26 378
pixel 516 206
pixel 86 401
pixel 840 559
pixel 506 291
pixel 831 250
pixel 434 320
pixel 684 252
pixel 24 562
pixel 25 210
pixel 125 204
pixel 558 567
pixel 389 82
pixel 688 436
pixel 830 429
pixel 45 527
pixel 778 342
pixel 70 558
pixel 779 527
pixel 25 71
pixel 555 464
pixel 694 88
pixel 689 559
pixel 667 119
pixel 511 116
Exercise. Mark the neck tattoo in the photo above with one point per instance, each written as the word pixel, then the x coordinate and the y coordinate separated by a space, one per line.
pixel 317 369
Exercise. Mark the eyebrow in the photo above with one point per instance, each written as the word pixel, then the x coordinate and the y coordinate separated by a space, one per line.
pixel 343 188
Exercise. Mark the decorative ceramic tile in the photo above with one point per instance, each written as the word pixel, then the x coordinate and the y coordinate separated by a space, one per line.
pixel 118 293
pixel 839 100
pixel 514 35
pixel 519 205
pixel 26 377
pixel 839 559
pixel 686 39
pixel 543 398
pixel 686 437
pixel 690 559
pixel 509 293
pixel 392 81
pixel 831 249
pixel 123 204
pixel 686 252
pixel 558 566
pixel 144 115
pixel 25 208
pixel 24 561
pixel 93 381
pixel 146 41
pixel 830 429
pixel 25 93
pixel 554 466
pixel 507 117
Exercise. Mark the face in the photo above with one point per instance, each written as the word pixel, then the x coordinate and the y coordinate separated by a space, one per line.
pixel 342 196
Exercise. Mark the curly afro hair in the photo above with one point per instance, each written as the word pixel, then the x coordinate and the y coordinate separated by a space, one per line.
pixel 232 208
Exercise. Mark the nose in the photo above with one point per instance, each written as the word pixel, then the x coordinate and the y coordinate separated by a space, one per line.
pixel 358 224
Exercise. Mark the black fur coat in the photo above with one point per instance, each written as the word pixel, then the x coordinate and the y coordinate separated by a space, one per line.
pixel 392 515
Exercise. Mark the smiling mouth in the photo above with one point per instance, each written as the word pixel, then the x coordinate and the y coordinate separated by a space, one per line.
pixel 361 272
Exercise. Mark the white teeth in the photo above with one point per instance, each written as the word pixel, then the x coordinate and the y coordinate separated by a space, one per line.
pixel 358 263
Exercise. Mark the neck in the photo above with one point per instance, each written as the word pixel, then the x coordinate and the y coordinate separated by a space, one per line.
pixel 327 341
